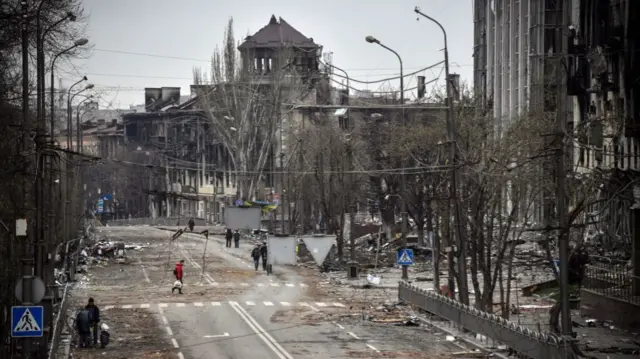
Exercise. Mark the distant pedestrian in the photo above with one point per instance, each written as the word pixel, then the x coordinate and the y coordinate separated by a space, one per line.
pixel 263 254
pixel 255 255
pixel 178 272
pixel 228 236
pixel 236 239
pixel 94 319
pixel 191 224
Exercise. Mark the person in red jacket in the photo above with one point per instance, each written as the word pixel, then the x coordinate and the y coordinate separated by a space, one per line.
pixel 178 272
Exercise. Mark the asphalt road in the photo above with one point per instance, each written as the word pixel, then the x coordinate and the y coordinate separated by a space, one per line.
pixel 230 311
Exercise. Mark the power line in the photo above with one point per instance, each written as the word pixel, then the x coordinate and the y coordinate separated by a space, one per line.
pixel 209 60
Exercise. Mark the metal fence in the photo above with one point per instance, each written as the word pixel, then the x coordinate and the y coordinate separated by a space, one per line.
pixel 529 343
pixel 59 323
pixel 612 280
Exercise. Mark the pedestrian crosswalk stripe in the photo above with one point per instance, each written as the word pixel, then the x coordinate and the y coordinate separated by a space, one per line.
pixel 303 285
pixel 260 284
pixel 312 305
pixel 275 284
pixel 290 285
pixel 244 284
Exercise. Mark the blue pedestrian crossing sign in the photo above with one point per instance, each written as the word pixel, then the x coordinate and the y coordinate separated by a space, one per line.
pixel 26 321
pixel 404 257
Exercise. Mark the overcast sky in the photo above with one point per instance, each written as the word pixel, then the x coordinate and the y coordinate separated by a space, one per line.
pixel 191 29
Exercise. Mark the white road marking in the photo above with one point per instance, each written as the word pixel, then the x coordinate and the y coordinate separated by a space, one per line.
pixel 338 305
pixel 180 305
pixel 304 304
pixel 260 284
pixel 275 284
pixel 128 306
pixel 290 285
pixel 268 304
pixel 175 343
pixel 145 306
pixel 244 284
pixel 198 304
pixel 353 335
pixel 109 307
pixel 262 334
pixel 373 348
pixel 180 355
pixel 216 304
pixel 303 285
pixel 321 304
pixel 164 320
pixel 146 276
pixel 250 303
pixel 285 304
pixel 169 331
pixel 216 336
pixel 338 325
pixel 162 305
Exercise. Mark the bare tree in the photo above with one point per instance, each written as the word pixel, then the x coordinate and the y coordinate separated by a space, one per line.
pixel 246 108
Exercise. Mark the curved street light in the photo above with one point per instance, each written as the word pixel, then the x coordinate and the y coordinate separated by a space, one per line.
pixel 403 210
pixel 77 43
pixel 78 124
pixel 70 114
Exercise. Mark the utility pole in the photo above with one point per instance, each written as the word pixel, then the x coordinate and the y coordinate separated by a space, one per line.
pixel 561 117
pixel 281 187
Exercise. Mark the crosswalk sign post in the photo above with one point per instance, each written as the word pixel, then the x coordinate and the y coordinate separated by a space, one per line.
pixel 26 321
pixel 404 257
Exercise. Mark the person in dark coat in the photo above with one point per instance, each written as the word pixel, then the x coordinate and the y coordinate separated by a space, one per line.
pixel 255 255
pixel 179 273
pixel 228 236
pixel 191 224
pixel 83 326
pixel 236 239
pixel 94 318
pixel 263 254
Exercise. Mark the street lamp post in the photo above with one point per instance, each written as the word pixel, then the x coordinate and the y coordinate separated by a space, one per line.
pixel 78 127
pixel 41 36
pixel 451 130
pixel 404 214
pixel 79 42
pixel 70 114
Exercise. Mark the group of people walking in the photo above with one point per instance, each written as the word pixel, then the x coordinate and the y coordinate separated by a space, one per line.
pixel 235 236
pixel 260 252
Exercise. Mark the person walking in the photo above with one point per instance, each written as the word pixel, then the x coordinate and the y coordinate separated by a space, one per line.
pixel 236 239
pixel 228 236
pixel 191 224
pixel 94 319
pixel 83 327
pixel 178 271
pixel 263 254
pixel 255 255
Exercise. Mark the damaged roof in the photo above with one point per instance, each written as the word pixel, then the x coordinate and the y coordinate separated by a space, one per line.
pixel 276 33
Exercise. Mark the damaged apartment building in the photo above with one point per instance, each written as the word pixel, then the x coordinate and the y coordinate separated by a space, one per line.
pixel 517 48
pixel 189 172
